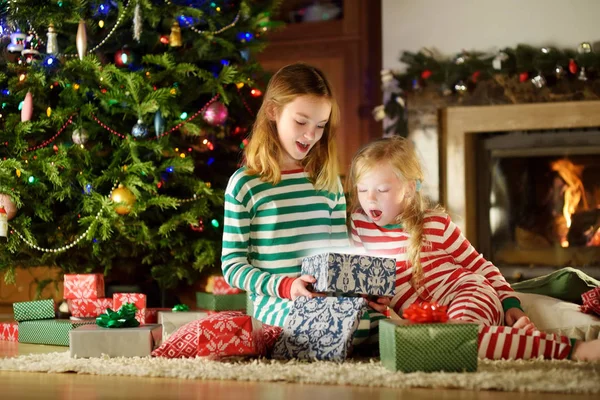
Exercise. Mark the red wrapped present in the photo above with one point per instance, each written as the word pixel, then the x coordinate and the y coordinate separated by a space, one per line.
pixel 89 308
pixel 220 286
pixel 591 301
pixel 83 286
pixel 138 299
pixel 152 314
pixel 219 335
pixel 9 331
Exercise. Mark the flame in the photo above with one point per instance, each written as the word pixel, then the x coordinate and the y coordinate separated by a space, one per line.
pixel 595 239
pixel 574 192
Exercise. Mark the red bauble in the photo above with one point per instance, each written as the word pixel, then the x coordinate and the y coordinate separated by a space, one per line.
pixel 523 76
pixel 426 74
pixel 123 58
pixel 573 68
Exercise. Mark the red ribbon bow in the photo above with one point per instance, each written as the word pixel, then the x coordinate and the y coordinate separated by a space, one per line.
pixel 426 313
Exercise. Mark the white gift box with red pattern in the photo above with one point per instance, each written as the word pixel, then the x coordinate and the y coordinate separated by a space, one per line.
pixel 138 299
pixel 220 286
pixel 89 308
pixel 83 286
pixel 9 331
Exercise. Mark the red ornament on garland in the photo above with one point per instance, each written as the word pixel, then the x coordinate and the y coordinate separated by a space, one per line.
pixel 573 68
pixel 199 227
pixel 475 76
pixel 123 58
pixel 426 74
pixel 523 76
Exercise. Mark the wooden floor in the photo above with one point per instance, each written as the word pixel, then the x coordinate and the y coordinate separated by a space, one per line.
pixel 24 385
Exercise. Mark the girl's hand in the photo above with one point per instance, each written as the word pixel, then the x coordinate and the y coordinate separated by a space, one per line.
pixel 380 305
pixel 517 319
pixel 299 287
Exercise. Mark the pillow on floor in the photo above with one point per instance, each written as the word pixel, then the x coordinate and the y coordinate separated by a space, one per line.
pixel 566 284
pixel 223 334
pixel 556 316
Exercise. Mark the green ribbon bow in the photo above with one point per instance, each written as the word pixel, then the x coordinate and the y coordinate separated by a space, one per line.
pixel 180 307
pixel 124 318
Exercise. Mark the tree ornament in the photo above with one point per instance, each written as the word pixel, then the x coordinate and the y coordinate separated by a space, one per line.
pixel 538 81
pixel 17 42
pixel 81 39
pixel 8 205
pixel 3 222
pixel 175 37
pixel 582 75
pixel 523 76
pixel 137 22
pixel 27 110
pixel 199 227
pixel 426 74
pixel 461 58
pixel 584 48
pixel 498 60
pixel 559 71
pixel 123 57
pixel 573 66
pixel 139 130
pixel 30 49
pixel 80 136
pixel 416 86
pixel 159 124
pixel 126 199
pixel 460 87
pixel 216 113
pixel 52 43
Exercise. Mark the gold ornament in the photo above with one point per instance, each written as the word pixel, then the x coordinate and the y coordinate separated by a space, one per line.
pixel 52 43
pixel 125 198
pixel 175 38
pixel 81 40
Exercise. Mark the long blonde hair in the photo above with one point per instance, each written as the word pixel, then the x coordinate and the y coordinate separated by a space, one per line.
pixel 402 157
pixel 264 151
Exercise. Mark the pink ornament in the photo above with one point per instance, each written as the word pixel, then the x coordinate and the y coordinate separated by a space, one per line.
pixel 216 113
pixel 27 110
pixel 8 205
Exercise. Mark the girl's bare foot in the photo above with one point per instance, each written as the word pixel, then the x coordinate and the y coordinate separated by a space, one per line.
pixel 586 351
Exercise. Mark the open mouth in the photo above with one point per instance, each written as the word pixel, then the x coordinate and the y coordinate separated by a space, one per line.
pixel 303 147
pixel 375 214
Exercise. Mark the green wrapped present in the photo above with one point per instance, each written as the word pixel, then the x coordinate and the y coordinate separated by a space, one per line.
pixel 53 332
pixel 221 302
pixel 409 347
pixel 34 310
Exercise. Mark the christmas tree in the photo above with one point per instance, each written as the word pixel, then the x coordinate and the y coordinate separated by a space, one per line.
pixel 121 122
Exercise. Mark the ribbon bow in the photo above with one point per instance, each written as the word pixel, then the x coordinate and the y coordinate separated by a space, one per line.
pixel 180 307
pixel 124 318
pixel 426 313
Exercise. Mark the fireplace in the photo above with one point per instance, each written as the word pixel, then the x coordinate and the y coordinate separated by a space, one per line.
pixel 523 182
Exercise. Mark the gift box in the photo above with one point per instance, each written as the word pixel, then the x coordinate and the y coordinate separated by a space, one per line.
pixel 138 299
pixel 94 341
pixel 152 314
pixel 83 286
pixel 218 285
pixel 409 347
pixel 9 331
pixel 52 331
pixel 89 308
pixel 351 273
pixel 34 310
pixel 221 302
pixel 171 321
pixel 321 328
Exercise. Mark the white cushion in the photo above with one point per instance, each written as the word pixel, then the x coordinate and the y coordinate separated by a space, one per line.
pixel 556 316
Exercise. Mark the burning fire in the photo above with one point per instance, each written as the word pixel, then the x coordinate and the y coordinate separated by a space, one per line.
pixel 574 191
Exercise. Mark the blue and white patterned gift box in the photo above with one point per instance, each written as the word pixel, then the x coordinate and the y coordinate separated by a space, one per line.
pixel 320 329
pixel 351 273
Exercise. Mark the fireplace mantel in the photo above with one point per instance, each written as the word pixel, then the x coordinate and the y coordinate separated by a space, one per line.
pixel 457 147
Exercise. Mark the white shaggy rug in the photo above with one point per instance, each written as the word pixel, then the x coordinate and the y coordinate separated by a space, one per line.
pixel 523 376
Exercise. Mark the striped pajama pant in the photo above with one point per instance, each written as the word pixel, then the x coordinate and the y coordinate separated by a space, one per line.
pixel 477 303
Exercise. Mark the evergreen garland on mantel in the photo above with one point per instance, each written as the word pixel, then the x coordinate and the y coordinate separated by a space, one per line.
pixel 524 74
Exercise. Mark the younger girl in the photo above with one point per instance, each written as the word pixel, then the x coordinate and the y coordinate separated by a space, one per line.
pixel 287 199
pixel 435 262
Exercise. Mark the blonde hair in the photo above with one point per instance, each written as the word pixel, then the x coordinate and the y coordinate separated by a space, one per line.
pixel 400 154
pixel 264 151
